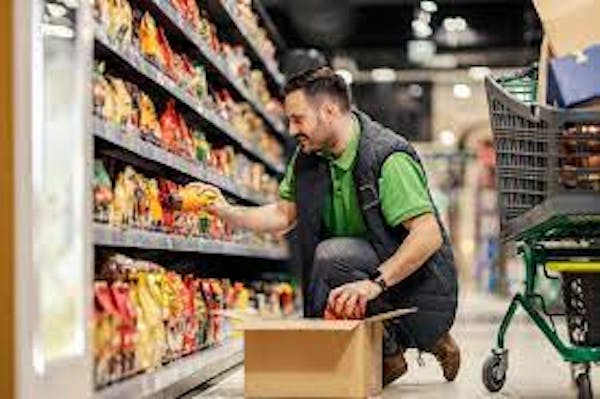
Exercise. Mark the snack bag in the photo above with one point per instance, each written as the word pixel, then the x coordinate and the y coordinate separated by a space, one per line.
pixel 192 198
pixel 176 321
pixel 202 146
pixel 127 325
pixel 218 307
pixel 120 28
pixel 166 189
pixel 122 115
pixel 148 122
pixel 155 211
pixel 186 142
pixel 169 125
pixel 103 194
pixel 151 346
pixel 106 336
pixel 193 14
pixel 202 317
pixel 190 342
pixel 167 57
pixel 102 93
pixel 148 38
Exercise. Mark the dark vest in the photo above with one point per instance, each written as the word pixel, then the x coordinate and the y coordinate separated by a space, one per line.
pixel 433 287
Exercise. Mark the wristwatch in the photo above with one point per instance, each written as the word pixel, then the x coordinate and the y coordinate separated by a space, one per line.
pixel 378 279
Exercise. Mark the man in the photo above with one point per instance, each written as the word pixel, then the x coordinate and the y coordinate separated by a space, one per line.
pixel 368 232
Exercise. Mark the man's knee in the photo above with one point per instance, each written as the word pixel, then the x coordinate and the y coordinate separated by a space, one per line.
pixel 327 252
pixel 333 264
pixel 326 255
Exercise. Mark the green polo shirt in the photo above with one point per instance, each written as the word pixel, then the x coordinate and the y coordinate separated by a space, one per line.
pixel 402 190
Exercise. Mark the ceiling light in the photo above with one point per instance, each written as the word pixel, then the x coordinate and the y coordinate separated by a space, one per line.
pixel 424 16
pixel 461 24
pixel 478 73
pixel 447 137
pixel 383 75
pixel 461 90
pixel 429 6
pixel 346 75
pixel 421 51
pixel 457 24
pixel 421 29
pixel 415 90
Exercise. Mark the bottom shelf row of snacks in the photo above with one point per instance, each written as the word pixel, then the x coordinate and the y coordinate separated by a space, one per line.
pixel 146 316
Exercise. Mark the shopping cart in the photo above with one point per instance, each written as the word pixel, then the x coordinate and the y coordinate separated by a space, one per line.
pixel 548 175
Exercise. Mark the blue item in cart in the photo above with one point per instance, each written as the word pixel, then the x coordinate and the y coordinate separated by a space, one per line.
pixel 575 79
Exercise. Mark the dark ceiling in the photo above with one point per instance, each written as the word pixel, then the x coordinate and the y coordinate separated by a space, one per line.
pixel 375 33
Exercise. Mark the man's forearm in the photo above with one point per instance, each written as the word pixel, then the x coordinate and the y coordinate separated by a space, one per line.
pixel 267 218
pixel 423 240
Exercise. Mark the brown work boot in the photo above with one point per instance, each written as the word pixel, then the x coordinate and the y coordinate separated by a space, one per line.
pixel 446 351
pixel 394 367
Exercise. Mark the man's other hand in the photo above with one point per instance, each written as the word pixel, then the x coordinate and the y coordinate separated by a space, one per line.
pixel 349 301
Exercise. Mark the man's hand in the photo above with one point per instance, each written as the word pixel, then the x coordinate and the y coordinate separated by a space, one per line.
pixel 349 301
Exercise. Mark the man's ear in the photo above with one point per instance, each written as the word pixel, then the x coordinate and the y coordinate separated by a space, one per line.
pixel 329 110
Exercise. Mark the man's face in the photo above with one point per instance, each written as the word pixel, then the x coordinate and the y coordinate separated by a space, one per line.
pixel 307 123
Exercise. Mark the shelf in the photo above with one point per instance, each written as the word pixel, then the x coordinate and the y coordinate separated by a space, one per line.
pixel 108 236
pixel 130 140
pixel 193 370
pixel 242 33
pixel 186 30
pixel 137 62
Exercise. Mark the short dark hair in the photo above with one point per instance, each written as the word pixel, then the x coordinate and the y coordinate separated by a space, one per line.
pixel 322 80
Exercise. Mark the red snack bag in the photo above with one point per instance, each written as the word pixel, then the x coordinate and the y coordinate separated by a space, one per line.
pixel 166 189
pixel 190 342
pixel 169 125
pixel 166 53
pixel 127 324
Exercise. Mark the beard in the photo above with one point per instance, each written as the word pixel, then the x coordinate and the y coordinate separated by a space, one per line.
pixel 304 143
pixel 313 146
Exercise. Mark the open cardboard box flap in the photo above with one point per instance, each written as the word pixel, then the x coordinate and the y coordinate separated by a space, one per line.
pixel 571 25
pixel 256 324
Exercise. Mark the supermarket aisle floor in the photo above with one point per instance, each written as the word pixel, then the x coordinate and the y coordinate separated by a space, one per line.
pixel 535 370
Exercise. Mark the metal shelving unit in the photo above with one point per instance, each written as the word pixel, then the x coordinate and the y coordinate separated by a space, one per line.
pixel 186 30
pixel 137 62
pixel 108 236
pixel 182 375
pixel 130 140
pixel 178 376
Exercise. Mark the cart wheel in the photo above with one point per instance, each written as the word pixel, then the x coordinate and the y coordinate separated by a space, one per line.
pixel 584 386
pixel 494 372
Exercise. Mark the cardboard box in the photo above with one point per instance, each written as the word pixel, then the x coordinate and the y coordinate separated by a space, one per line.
pixel 314 358
pixel 571 25
pixel 575 80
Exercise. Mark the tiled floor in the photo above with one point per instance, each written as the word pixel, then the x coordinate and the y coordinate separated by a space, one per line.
pixel 535 369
